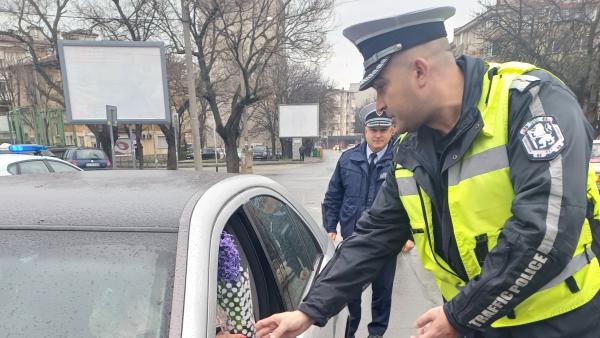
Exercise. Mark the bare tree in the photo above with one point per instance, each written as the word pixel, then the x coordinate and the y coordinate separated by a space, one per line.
pixel 237 40
pixel 11 78
pixel 37 25
pixel 560 36
pixel 291 83
pixel 133 20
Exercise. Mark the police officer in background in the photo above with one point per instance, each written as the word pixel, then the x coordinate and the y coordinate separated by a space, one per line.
pixel 352 189
pixel 493 181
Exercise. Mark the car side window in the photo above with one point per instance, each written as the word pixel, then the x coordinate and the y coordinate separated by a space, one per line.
pixel 290 246
pixel 33 167
pixel 13 169
pixel 58 167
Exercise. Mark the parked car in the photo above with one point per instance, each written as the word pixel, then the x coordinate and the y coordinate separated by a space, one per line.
pixel 207 154
pixel 260 153
pixel 19 164
pixel 132 254
pixel 88 158
pixel 27 159
pixel 59 152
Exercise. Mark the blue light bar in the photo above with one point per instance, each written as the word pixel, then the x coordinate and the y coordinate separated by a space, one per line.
pixel 26 148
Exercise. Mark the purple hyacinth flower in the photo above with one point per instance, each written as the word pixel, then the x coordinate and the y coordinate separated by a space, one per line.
pixel 229 259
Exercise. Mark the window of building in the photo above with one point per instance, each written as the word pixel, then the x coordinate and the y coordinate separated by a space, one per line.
pixel 162 142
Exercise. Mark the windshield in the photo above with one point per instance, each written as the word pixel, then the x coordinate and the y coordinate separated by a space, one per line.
pixel 86 284
pixel 260 149
pixel 596 152
pixel 91 154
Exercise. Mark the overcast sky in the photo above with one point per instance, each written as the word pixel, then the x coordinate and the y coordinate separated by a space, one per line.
pixel 345 64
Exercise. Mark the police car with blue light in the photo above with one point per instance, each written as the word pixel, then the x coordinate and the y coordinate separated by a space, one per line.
pixel 30 159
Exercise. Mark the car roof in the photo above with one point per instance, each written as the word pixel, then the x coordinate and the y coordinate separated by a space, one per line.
pixel 6 159
pixel 112 198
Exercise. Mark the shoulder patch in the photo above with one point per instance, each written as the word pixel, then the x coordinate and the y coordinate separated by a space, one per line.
pixel 523 82
pixel 542 138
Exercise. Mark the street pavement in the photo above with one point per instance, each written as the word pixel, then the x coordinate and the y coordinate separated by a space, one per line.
pixel 414 289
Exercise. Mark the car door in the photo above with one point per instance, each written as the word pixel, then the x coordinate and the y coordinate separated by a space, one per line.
pixel 291 248
pixel 281 272
pixel 293 251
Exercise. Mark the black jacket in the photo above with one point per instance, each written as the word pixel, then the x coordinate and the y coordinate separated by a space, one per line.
pixel 382 231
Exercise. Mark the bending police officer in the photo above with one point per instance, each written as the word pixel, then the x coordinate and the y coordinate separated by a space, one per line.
pixel 493 181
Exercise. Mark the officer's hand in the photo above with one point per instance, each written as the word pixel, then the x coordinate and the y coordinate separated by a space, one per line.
pixel 283 325
pixel 409 245
pixel 333 235
pixel 434 324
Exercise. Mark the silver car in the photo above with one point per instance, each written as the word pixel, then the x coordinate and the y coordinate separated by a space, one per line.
pixel 136 253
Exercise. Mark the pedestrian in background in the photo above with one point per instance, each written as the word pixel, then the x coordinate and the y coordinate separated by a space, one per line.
pixel 301 151
pixel 352 189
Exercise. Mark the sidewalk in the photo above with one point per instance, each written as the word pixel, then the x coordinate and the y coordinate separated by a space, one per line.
pixel 222 164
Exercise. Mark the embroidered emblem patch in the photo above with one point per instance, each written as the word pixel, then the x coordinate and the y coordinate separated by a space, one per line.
pixel 542 138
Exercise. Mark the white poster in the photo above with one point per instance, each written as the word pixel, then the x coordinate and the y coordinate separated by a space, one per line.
pixel 130 76
pixel 4 124
pixel 299 120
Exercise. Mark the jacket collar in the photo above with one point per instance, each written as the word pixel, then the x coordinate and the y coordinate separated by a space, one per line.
pixel 359 154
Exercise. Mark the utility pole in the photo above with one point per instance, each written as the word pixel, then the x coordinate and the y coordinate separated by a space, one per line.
pixel 193 108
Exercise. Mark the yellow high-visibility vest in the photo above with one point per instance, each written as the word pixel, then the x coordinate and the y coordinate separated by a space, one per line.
pixel 480 196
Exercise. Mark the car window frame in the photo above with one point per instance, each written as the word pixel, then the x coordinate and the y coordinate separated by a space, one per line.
pixel 14 165
pixel 207 222
pixel 18 164
pixel 49 165
pixel 320 253
pixel 76 155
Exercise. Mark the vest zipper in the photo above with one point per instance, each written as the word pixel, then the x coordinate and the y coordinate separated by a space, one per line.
pixel 428 233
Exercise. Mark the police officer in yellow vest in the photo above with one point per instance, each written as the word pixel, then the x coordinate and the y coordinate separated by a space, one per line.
pixel 492 180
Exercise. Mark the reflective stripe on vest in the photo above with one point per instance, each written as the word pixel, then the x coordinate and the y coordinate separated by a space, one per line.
pixel 480 196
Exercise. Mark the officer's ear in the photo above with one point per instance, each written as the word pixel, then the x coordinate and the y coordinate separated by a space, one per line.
pixel 421 70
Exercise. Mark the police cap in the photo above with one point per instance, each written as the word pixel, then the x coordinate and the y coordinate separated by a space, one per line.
pixel 374 119
pixel 379 40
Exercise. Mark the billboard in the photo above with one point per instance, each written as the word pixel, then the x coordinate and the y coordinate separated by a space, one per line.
pixel 4 124
pixel 129 75
pixel 299 120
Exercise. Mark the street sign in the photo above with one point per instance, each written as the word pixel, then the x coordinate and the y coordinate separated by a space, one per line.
pixel 112 120
pixel 111 115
